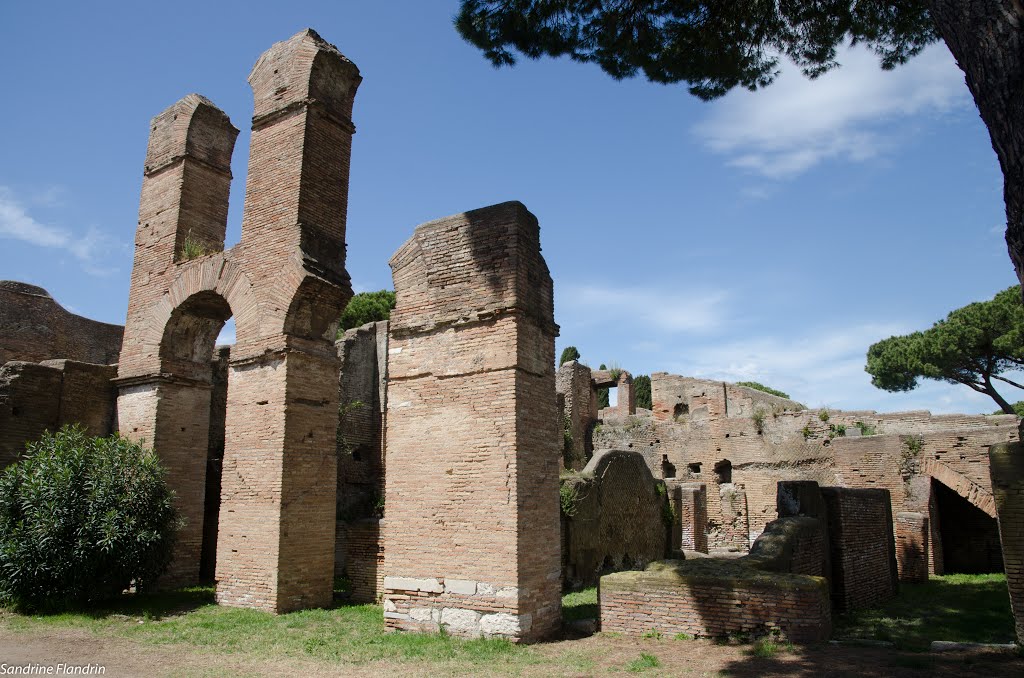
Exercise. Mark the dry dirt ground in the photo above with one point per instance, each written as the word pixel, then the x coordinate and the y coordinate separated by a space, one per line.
pixel 125 657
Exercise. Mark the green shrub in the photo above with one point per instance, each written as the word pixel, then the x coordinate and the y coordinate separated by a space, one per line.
pixel 82 519
pixel 569 353
pixel 366 307
pixel 759 416
pixel 824 414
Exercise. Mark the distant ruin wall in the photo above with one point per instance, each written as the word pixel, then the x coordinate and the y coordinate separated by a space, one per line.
pixel 34 327
pixel 35 397
pixel 618 519
pixel 579 412
pixel 471 537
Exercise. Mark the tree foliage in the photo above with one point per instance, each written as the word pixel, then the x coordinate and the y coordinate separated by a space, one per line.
pixel 81 519
pixel 367 307
pixel 642 391
pixel 973 346
pixel 761 387
pixel 711 46
pixel 568 353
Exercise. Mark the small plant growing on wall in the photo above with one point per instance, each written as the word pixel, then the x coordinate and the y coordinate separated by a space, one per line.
pixel 568 498
pixel 806 431
pixel 759 417
pixel 824 414
pixel 192 247
pixel 865 429
pixel 910 455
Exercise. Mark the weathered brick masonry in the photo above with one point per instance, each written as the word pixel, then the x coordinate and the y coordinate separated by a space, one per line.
pixel 470 533
pixel 34 327
pixel 35 397
pixel 618 518
pixel 1007 468
pixel 285 284
pixel 715 598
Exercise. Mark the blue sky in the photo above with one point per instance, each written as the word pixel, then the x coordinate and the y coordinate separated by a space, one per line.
pixel 770 236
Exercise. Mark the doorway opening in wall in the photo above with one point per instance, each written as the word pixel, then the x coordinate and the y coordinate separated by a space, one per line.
pixel 196 346
pixel 613 396
pixel 723 472
pixel 969 536
pixel 668 469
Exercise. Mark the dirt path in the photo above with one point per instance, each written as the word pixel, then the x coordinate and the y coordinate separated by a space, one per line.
pixel 124 657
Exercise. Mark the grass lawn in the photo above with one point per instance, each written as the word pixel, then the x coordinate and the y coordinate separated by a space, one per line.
pixel 971 608
pixel 352 634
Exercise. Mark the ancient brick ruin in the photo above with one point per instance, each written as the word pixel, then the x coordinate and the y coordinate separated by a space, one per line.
pixel 471 532
pixel 420 457
pixel 283 283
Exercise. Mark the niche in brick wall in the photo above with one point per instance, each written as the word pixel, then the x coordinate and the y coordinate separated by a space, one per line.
pixel 723 472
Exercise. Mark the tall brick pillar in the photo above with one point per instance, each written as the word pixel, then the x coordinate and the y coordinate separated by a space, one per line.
pixel 1006 468
pixel 164 386
pixel 471 527
pixel 285 284
pixel 275 547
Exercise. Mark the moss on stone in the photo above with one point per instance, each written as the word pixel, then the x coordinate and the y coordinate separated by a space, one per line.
pixel 704 572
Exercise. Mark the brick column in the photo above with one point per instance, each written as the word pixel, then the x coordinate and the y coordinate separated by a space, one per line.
pixel 1006 467
pixel 471 523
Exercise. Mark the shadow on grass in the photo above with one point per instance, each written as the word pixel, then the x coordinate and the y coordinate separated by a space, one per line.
pixel 961 608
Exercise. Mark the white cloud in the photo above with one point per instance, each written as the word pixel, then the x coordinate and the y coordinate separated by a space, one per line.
pixel 848 113
pixel 695 312
pixel 89 249
pixel 825 369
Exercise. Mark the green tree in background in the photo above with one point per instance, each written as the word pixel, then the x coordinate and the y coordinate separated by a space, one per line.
pixel 714 47
pixel 973 346
pixel 761 387
pixel 642 391
pixel 568 353
pixel 367 307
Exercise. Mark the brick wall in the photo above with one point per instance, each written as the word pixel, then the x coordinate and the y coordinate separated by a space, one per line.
pixel 579 411
pixel 691 511
pixel 36 397
pixel 1007 469
pixel 912 546
pixel 715 598
pixel 34 327
pixel 618 520
pixel 863 552
pixel 471 519
pixel 363 376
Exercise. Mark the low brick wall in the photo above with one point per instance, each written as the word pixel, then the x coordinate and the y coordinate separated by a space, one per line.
pixel 713 598
pixel 912 546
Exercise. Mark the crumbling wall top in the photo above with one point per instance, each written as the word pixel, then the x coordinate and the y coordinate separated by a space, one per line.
pixel 302 68
pixel 192 126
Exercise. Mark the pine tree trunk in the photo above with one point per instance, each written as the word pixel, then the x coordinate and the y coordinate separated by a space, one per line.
pixel 987 41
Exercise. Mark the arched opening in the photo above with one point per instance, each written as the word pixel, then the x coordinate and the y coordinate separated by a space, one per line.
pixel 969 537
pixel 196 350
pixel 723 472
pixel 680 410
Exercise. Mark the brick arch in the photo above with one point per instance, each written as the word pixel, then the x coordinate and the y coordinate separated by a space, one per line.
pixel 974 493
pixel 214 273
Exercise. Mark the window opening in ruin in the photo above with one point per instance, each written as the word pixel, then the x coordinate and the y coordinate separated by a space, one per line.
pixel 680 410
pixel 613 396
pixel 668 469
pixel 694 468
pixel 723 472
pixel 969 536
